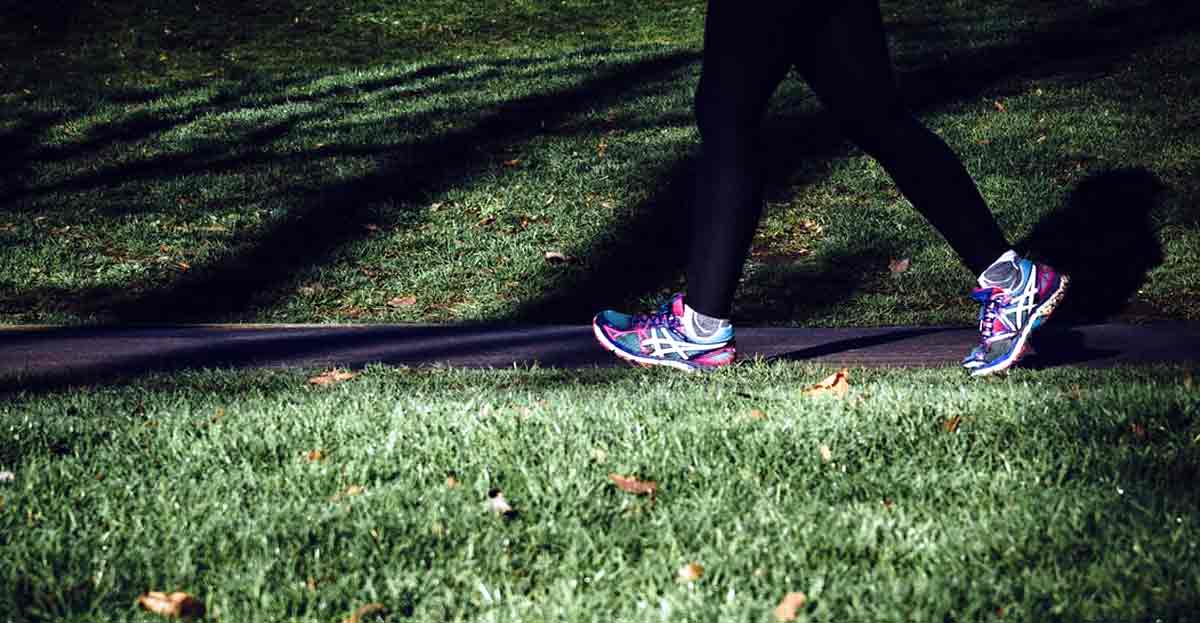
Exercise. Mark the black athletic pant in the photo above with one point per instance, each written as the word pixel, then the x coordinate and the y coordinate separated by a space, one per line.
pixel 840 49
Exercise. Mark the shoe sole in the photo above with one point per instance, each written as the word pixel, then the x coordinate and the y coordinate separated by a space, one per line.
pixel 644 362
pixel 1039 316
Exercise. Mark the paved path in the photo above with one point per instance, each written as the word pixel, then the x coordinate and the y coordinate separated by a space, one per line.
pixel 75 354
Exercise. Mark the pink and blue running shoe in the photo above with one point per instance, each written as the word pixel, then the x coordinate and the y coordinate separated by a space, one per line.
pixel 659 339
pixel 1007 316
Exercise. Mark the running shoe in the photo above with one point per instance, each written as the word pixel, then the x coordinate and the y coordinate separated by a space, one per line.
pixel 1007 316
pixel 658 339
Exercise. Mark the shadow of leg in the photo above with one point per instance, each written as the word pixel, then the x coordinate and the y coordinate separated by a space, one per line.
pixel 1103 238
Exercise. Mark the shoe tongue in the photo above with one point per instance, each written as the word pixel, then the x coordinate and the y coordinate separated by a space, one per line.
pixel 677 305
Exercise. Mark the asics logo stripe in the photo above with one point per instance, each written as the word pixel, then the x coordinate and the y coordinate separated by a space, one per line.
pixel 662 343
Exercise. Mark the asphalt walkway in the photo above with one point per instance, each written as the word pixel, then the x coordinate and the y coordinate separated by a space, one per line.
pixel 66 354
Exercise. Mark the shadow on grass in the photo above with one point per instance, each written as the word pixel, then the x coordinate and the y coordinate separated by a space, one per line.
pixel 328 218
pixel 1103 237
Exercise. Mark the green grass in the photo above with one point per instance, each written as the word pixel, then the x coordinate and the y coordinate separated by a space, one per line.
pixel 342 158
pixel 1062 495
pixel 323 162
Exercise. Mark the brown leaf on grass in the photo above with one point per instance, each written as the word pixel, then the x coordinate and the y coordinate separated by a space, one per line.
pixel 349 492
pixel 451 481
pixel 756 414
pixel 631 484
pixel 403 301
pixel 557 257
pixel 373 610
pixel 791 602
pixel 836 384
pixel 900 266
pixel 690 572
pixel 315 456
pixel 174 605
pixel 826 453
pixel 888 504
pixel 331 377
pixel 1000 107
pixel 951 424
pixel 512 163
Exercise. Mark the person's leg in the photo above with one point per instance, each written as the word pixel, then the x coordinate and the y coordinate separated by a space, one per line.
pixel 747 52
pixel 846 62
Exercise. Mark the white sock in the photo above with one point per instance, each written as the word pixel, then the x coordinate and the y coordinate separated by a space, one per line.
pixel 701 328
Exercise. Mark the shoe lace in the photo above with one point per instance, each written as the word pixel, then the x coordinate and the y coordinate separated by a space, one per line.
pixel 990 309
pixel 664 317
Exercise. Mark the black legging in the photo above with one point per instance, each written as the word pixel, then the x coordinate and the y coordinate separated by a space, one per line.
pixel 840 49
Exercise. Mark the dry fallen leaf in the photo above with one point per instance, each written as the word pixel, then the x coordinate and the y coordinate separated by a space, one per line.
pixel 899 266
pixel 690 572
pixel 403 301
pixel 999 106
pixel 786 610
pixel 1074 393
pixel 756 414
pixel 175 605
pixel 373 610
pixel 630 484
pixel 497 504
pixel 557 257
pixel 451 481
pixel 331 377
pixel 836 384
pixel 826 453
pixel 350 491
pixel 951 424
pixel 315 456
pixel 512 163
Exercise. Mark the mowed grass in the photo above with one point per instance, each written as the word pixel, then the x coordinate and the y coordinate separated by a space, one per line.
pixel 355 165
pixel 1053 495
pixel 416 161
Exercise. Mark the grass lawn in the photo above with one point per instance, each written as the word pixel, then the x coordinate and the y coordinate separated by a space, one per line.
pixel 1053 495
pixel 375 161
pixel 416 161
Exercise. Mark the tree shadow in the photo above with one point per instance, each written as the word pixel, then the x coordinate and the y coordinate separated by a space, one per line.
pixel 1103 238
pixel 331 217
